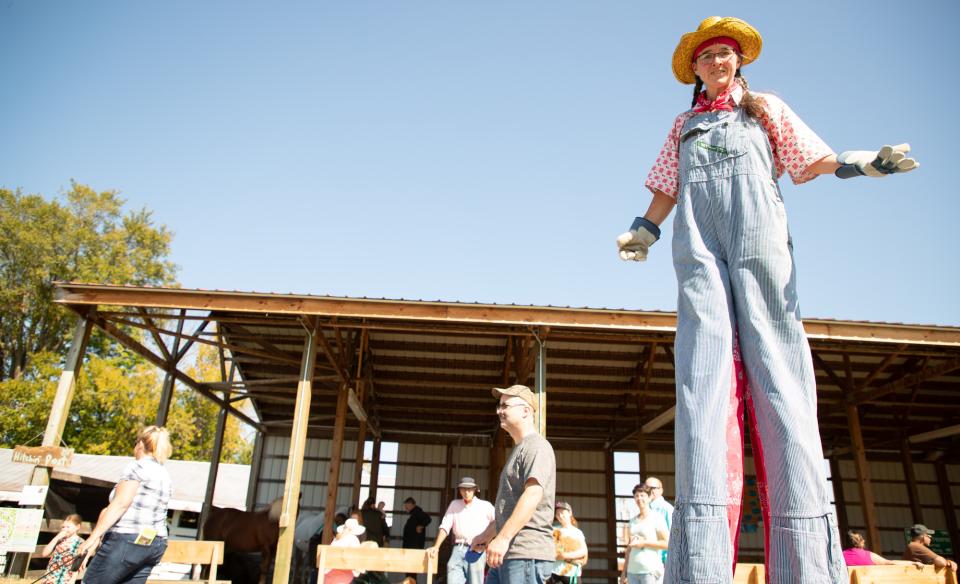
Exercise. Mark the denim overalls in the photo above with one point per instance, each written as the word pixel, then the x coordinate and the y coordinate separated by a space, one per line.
pixel 733 257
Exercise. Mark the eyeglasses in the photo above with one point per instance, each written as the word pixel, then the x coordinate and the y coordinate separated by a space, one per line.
pixel 723 55
pixel 505 407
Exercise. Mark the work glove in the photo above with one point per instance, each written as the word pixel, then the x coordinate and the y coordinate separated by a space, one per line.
pixel 888 160
pixel 633 244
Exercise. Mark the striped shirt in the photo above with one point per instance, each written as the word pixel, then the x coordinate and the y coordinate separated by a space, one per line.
pixel 149 506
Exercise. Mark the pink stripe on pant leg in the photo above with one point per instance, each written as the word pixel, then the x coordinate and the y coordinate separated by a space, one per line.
pixel 735 451
pixel 758 464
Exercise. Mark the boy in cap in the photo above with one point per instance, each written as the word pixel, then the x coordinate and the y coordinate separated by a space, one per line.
pixel 465 518
pixel 917 550
pixel 519 544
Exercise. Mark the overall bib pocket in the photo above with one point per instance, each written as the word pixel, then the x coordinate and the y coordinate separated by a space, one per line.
pixel 708 143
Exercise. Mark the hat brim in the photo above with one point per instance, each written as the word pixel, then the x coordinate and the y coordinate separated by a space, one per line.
pixel 751 43
pixel 467 486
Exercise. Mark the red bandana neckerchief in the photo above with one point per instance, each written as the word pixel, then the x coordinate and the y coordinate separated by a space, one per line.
pixel 725 101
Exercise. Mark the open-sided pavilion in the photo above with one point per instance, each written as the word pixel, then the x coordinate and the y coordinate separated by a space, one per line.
pixel 339 370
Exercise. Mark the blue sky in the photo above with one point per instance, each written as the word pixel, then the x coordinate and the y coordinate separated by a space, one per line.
pixel 481 151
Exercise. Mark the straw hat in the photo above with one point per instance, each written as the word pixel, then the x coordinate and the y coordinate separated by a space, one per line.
pixel 711 27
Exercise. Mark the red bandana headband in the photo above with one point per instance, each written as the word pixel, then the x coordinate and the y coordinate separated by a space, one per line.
pixel 732 43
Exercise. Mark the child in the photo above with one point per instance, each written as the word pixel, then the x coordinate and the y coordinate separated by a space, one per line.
pixel 63 548
pixel 571 547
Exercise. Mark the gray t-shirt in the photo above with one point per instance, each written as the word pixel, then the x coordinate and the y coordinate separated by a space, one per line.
pixel 532 458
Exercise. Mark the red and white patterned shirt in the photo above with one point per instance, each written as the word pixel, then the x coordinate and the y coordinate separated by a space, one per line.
pixel 795 146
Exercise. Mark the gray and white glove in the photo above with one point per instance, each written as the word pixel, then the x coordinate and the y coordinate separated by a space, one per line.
pixel 634 244
pixel 887 160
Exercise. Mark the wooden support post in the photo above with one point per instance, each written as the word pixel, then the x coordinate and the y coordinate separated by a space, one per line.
pixel 911 477
pixel 946 499
pixel 336 455
pixel 374 468
pixel 169 380
pixel 839 499
pixel 642 453
pixel 611 509
pixel 448 487
pixel 863 478
pixel 64 396
pixel 362 431
pixel 256 462
pixel 358 462
pixel 498 457
pixel 298 442
pixel 541 387
pixel 217 448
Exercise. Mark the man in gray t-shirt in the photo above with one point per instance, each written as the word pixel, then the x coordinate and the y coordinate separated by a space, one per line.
pixel 519 543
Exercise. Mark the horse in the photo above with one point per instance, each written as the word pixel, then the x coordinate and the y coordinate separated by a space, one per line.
pixel 246 531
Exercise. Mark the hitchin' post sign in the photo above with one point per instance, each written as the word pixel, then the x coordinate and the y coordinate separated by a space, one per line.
pixel 49 456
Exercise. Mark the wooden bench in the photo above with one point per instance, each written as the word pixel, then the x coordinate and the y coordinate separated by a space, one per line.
pixel 375 559
pixel 900 574
pixel 749 574
pixel 197 554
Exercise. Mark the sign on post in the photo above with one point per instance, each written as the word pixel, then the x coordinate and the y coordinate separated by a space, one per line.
pixel 48 456
pixel 19 529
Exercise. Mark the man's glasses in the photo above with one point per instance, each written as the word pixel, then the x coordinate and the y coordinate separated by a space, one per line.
pixel 724 55
pixel 505 407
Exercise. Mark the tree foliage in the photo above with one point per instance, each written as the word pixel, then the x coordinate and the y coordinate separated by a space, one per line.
pixel 87 237
pixel 193 418
pixel 115 396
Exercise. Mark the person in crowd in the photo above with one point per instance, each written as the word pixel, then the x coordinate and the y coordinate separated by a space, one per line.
pixel 646 536
pixel 131 533
pixel 348 535
pixel 374 522
pixel 571 547
pixel 858 554
pixel 733 257
pixel 918 550
pixel 62 549
pixel 415 528
pixel 382 508
pixel 465 518
pixel 519 543
pixel 659 504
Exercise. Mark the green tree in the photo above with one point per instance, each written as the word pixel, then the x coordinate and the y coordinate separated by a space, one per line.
pixel 115 396
pixel 86 237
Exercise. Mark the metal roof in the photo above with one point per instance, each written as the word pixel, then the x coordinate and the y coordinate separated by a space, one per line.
pixel 429 366
pixel 188 478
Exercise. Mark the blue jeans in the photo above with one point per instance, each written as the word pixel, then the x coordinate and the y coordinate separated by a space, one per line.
pixel 119 560
pixel 520 571
pixel 459 571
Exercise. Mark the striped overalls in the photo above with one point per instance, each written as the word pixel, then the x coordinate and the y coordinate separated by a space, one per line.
pixel 734 263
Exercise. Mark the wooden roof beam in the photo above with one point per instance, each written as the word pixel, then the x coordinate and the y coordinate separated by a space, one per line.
pixel 910 380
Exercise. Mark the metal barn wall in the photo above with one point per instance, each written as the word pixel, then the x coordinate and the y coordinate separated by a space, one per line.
pixel 582 480
pixel 316 469
pixel 422 473
pixel 892 502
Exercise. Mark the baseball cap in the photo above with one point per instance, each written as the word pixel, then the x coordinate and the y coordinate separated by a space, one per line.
pixel 920 529
pixel 563 505
pixel 521 391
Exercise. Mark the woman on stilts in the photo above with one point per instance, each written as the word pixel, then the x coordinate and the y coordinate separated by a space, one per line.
pixel 738 300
